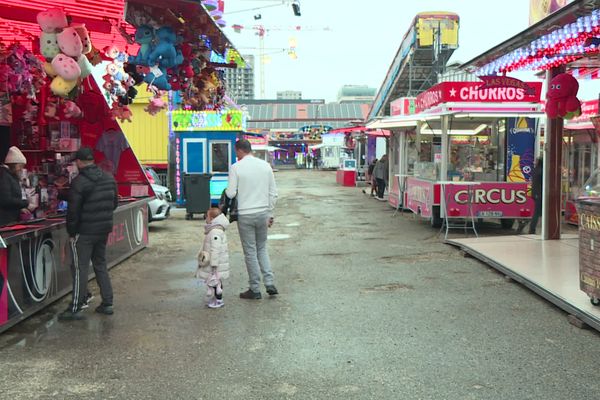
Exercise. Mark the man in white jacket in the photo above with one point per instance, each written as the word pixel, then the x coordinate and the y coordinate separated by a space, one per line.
pixel 253 182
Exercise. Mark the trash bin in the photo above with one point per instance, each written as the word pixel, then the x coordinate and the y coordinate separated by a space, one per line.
pixel 196 190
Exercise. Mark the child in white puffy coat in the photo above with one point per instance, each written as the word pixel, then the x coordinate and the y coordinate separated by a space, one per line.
pixel 213 259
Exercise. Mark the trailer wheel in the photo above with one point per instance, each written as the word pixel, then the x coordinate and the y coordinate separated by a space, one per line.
pixel 595 301
pixel 507 223
pixel 436 221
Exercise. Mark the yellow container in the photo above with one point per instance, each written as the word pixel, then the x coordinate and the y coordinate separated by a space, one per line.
pixel 148 135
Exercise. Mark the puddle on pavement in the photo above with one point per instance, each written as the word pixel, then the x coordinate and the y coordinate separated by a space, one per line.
pixel 278 236
pixel 388 287
pixel 28 333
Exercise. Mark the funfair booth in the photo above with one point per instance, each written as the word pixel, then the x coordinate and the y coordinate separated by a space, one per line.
pixel 580 158
pixel 467 153
pixel 560 266
pixel 35 256
pixel 50 105
pixel 204 144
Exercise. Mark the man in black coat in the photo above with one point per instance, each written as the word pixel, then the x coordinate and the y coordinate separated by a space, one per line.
pixel 93 197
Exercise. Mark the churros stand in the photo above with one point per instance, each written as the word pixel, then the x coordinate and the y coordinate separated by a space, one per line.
pixel 465 132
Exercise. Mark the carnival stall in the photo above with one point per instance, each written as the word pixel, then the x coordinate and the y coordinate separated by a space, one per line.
pixel 54 108
pixel 581 157
pixel 204 144
pixel 51 104
pixel 467 152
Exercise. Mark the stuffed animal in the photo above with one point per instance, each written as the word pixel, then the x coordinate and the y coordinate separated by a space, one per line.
pixel 72 110
pixel 49 70
pixel 144 36
pixel 66 67
pixel 49 45
pixel 131 70
pixel 70 43
pixel 84 35
pixel 561 99
pixel 123 113
pixel 30 113
pixel 111 51
pixel 51 108
pixel 85 66
pixel 165 53
pixel 129 97
pixel 94 56
pixel 158 77
pixel 62 87
pixel 52 20
pixel 155 106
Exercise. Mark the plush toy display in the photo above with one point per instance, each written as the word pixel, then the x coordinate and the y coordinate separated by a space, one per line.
pixel 561 99
pixel 65 48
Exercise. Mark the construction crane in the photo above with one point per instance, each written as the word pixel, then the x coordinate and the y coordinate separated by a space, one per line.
pixel 261 31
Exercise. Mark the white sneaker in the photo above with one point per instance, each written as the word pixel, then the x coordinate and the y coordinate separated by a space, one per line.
pixel 216 304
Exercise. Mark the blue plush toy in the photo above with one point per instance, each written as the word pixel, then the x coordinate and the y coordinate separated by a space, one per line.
pixel 144 36
pixel 165 53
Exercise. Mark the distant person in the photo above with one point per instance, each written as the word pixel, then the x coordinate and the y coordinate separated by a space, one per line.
pixel 93 197
pixel 213 259
pixel 372 180
pixel 309 160
pixel 253 182
pixel 381 172
pixel 536 192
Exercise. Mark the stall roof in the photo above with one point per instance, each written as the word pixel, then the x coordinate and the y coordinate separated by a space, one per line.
pixel 459 110
pixel 103 19
pixel 565 15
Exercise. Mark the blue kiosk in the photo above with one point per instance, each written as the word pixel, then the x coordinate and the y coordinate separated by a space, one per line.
pixel 204 144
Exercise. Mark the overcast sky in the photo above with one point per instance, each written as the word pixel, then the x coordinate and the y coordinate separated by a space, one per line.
pixel 363 39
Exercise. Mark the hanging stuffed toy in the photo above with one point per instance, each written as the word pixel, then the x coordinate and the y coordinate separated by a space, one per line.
pixel 51 108
pixel 165 53
pixel 52 20
pixel 144 36
pixel 156 105
pixel 71 110
pixel 561 99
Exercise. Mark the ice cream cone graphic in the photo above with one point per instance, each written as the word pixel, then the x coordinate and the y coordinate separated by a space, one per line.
pixel 515 174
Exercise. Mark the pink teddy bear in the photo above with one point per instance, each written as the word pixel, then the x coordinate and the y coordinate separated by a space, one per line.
pixel 155 106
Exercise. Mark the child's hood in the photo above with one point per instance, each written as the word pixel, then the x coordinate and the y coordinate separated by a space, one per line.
pixel 220 220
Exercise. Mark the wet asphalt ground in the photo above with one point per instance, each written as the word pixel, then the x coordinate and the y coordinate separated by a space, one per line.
pixel 372 306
